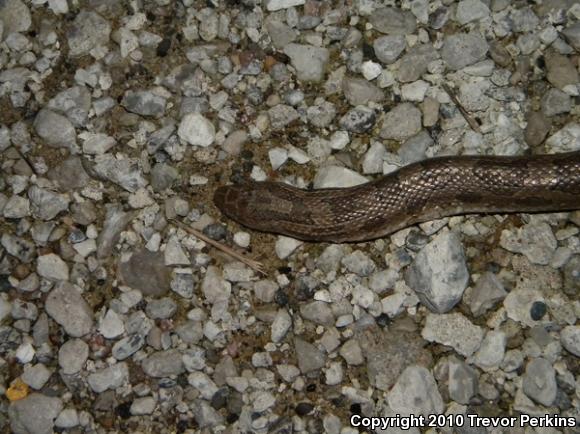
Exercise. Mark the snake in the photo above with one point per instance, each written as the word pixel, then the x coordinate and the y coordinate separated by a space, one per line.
pixel 427 190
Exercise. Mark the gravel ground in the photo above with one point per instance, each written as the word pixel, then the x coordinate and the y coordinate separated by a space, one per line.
pixel 119 118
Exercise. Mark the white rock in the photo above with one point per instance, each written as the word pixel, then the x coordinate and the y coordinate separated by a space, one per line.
pixel 371 70
pixel 275 5
pixel 242 239
pixel 196 130
pixel 415 91
pixel 51 267
pixel 278 156
pixel 285 246
pixel 334 176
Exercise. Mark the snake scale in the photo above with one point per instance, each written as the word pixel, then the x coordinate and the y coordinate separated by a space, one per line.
pixel 422 191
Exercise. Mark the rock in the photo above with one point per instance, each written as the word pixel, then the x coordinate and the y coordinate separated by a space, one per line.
pixel 69 175
pixel 415 91
pixel 524 20
pixel 572 35
pixel 319 312
pixel 415 148
pixel 68 418
pixel 359 91
pixel 415 393
pixel 127 346
pixel 20 248
pixel 36 376
pixel 566 139
pixel 337 177
pixel 52 267
pixel 561 71
pixel 393 21
pixel 34 414
pixel 539 381
pixel 15 17
pixel 373 159
pixel 487 292
pixel 16 207
pixel 535 240
pixel 463 381
pixel 282 115
pixel 72 356
pixel 402 122
pixel 275 5
pixel 115 222
pixel 46 204
pixel 471 10
pixel 439 273
pixel 88 31
pixel 463 49
pixel 537 128
pixel 321 115
pixel 109 378
pixel 55 129
pixel 163 364
pixel 555 102
pixel 143 406
pixel 147 272
pixel 74 103
pixel 358 120
pixel 144 103
pixel 570 338
pixel 205 416
pixel 280 326
pixel 66 306
pixel 359 263
pixel 125 172
pixel 492 350
pixel 285 246
pixel 518 305
pixel 309 357
pixel 196 130
pixel 280 33
pixel 415 63
pixel 310 62
pixel 351 352
pixel 453 330
pixel 389 48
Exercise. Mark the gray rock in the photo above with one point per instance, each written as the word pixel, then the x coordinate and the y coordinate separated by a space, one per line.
pixel 359 91
pixel 52 267
pixel 566 139
pixel 36 376
pixel 68 418
pixel 463 49
pixel 66 305
pixel 414 64
pixel 143 406
pixel 144 103
pixel 162 308
pixel 393 21
pixel 322 114
pixel 109 378
pixel 70 174
pixel 555 102
pixel 539 381
pixel 282 115
pixel 535 240
pixel 34 414
pixel 439 273
pixel 492 351
pixel 204 414
pixel 389 48
pixel 127 346
pixel 115 222
pixel 471 10
pixel 46 204
pixel 88 30
pixel 20 248
pixel 359 263
pixel 280 326
pixel 352 353
pixel 463 381
pixel 415 148
pixel 16 207
pixel 163 364
pixel 280 33
pixel 537 128
pixel 310 62
pixel 14 16
pixel 72 356
pixel 55 129
pixel 402 122
pixel 124 172
pixel 570 338
pixel 524 20
pixel 487 292
pixel 147 272
pixel 74 103
pixel 358 120
pixel 561 71
pixel 572 35
pixel 373 159
pixel 163 177
pixel 453 330
pixel 318 312
pixel 415 393
pixel 309 357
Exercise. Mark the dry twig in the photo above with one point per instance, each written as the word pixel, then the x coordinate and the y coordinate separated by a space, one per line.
pixel 472 122
pixel 254 265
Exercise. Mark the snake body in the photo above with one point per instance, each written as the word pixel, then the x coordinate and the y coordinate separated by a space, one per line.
pixel 422 191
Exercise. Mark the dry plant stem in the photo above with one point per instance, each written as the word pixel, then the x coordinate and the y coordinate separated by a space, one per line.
pixel 472 122
pixel 254 265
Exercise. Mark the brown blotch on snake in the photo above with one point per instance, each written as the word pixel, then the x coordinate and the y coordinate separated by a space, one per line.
pixel 427 190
